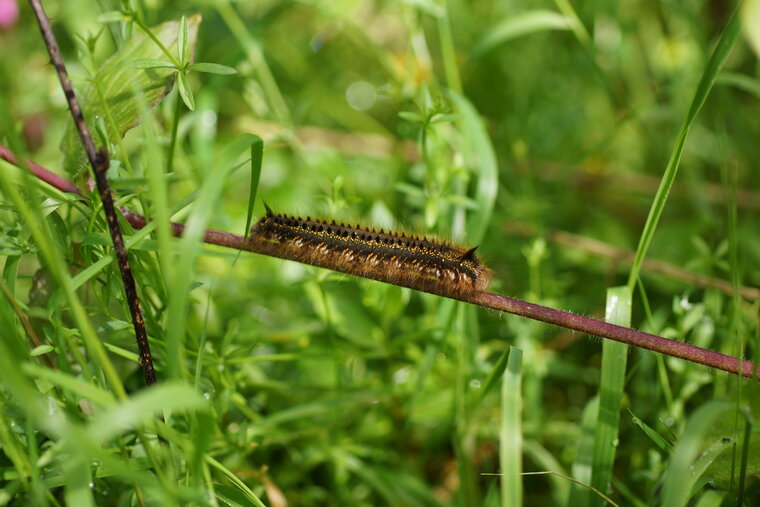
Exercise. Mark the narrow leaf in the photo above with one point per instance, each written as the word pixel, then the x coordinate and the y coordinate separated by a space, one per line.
pixel 681 474
pixel 257 154
pixel 212 68
pixel 117 83
pixel 709 75
pixel 182 40
pixel 151 63
pixel 185 92
pixel 614 356
pixel 135 411
pixel 510 433
pixel 522 24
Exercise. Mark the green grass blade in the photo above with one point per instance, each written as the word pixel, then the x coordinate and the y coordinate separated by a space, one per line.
pixel 479 151
pixel 77 386
pixel 714 64
pixel 582 466
pixel 250 495
pixel 680 477
pixel 76 473
pixel 614 356
pixel 190 248
pixel 142 408
pixel 256 58
pixel 257 155
pixel 510 433
pixel 519 25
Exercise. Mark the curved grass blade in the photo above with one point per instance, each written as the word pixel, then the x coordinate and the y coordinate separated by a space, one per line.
pixel 725 43
pixel 680 475
pixel 522 24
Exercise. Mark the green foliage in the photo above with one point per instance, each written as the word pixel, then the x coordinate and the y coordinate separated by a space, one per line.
pixel 113 84
pixel 493 124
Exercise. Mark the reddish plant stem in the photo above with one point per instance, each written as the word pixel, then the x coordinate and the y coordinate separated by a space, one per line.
pixel 40 172
pixel 626 335
pixel 100 163
pixel 505 304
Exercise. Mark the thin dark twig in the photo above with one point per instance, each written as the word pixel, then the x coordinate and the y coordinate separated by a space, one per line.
pixel 100 163
pixel 524 309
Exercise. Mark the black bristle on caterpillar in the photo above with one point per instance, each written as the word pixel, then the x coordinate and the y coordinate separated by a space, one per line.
pixel 407 260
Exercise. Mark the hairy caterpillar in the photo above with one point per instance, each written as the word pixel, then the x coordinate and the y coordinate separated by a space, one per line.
pixel 410 261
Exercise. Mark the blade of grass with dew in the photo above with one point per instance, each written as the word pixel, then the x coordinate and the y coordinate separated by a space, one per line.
pixel 717 59
pixel 77 480
pixel 612 382
pixel 655 437
pixel 510 431
pixel 679 477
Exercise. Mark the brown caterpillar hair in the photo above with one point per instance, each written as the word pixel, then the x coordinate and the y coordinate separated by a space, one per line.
pixel 409 261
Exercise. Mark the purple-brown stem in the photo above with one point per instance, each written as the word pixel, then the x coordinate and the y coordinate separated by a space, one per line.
pixel 498 302
pixel 40 172
pixel 99 162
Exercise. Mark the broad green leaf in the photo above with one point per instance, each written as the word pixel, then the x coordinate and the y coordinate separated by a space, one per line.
pixel 110 93
pixel 212 68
